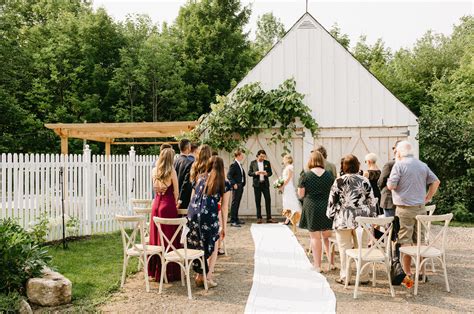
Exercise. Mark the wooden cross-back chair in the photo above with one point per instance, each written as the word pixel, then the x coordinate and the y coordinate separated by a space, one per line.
pixel 181 256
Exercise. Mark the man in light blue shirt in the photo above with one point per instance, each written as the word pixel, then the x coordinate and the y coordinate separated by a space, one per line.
pixel 408 181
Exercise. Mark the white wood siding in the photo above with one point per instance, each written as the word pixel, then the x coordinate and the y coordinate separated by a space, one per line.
pixel 338 89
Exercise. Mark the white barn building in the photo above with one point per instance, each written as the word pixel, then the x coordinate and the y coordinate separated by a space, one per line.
pixel 355 112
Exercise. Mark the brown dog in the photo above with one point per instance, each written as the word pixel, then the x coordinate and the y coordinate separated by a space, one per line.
pixel 293 217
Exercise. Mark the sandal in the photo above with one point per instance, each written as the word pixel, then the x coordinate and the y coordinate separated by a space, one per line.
pixel 220 252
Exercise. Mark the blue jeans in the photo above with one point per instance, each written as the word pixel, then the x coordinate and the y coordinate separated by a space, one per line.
pixel 389 212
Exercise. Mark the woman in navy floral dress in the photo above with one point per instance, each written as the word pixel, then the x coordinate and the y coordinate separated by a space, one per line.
pixel 203 216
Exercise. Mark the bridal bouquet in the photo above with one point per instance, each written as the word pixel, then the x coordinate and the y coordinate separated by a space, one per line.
pixel 278 183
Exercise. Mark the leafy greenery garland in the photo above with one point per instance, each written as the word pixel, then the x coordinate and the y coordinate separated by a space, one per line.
pixel 250 110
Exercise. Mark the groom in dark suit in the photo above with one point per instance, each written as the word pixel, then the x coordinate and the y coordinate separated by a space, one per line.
pixel 260 169
pixel 236 176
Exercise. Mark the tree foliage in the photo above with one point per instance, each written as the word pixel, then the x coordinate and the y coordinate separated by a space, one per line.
pixel 269 30
pixel 61 61
pixel 250 110
pixel 342 38
pixel 213 48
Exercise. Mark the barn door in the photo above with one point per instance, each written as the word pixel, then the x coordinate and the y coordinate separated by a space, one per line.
pixel 361 141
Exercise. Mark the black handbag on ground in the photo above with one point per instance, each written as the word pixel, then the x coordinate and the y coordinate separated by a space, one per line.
pixel 396 272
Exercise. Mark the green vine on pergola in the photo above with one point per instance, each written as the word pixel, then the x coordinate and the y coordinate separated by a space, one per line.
pixel 251 110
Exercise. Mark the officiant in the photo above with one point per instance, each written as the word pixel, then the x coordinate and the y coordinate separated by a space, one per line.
pixel 260 170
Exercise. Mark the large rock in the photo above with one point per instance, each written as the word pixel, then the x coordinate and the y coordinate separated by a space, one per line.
pixel 25 308
pixel 50 290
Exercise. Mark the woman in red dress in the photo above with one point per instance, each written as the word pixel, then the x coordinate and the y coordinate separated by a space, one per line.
pixel 165 184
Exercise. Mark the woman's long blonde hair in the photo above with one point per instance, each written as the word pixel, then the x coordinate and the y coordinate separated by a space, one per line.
pixel 164 166
pixel 200 165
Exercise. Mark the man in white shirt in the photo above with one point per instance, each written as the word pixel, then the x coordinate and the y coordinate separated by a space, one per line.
pixel 260 169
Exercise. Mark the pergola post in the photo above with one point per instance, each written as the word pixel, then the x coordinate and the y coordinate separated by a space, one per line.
pixel 107 148
pixel 64 145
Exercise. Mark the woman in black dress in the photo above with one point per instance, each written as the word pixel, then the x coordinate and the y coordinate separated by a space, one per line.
pixel 314 187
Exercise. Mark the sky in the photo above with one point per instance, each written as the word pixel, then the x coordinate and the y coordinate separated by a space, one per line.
pixel 399 23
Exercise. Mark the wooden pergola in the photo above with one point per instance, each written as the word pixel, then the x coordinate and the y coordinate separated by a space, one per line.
pixel 109 132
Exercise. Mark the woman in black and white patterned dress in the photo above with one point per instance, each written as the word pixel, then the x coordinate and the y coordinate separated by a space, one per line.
pixel 351 196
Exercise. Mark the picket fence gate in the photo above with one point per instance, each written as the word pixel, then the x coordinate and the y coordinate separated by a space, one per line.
pixel 90 188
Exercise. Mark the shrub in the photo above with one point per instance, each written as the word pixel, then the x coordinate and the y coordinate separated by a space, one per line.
pixel 39 229
pixel 21 257
pixel 10 303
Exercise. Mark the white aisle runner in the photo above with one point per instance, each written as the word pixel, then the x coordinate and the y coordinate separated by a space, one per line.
pixel 283 280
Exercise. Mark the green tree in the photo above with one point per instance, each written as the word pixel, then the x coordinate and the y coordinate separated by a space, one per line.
pixel 447 133
pixel 342 38
pixel 213 48
pixel 166 91
pixel 372 57
pixel 269 30
pixel 129 80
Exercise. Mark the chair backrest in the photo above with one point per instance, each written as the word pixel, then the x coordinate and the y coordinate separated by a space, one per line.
pixel 167 243
pixel 429 211
pixel 438 239
pixel 141 203
pixel 366 224
pixel 129 238
pixel 144 212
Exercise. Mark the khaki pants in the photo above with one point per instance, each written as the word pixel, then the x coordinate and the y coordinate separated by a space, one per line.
pixel 408 223
pixel 346 240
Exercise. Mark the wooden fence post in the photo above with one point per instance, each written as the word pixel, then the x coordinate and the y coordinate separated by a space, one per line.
pixel 131 178
pixel 89 190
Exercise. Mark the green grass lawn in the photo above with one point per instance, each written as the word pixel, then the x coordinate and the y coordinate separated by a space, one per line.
pixel 94 266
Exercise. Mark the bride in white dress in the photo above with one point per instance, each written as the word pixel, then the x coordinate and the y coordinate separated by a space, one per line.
pixel 290 200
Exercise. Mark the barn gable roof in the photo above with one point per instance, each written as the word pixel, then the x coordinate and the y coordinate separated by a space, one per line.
pixel 340 91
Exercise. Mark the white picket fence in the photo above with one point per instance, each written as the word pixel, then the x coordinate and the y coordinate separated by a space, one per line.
pixel 94 188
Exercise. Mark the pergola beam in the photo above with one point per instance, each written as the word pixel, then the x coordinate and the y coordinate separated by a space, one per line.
pixel 142 143
pixel 108 132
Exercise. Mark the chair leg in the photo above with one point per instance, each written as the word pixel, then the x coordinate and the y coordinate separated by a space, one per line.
pixel 424 270
pixel 373 275
pixel 145 270
pixel 188 281
pixel 124 270
pixel 182 277
pixel 387 268
pixel 359 268
pixel 162 275
pixel 433 269
pixel 348 272
pixel 443 262
pixel 162 261
pixel 204 275
pixel 417 274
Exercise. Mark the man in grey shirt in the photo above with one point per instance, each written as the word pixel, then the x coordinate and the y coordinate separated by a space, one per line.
pixel 408 181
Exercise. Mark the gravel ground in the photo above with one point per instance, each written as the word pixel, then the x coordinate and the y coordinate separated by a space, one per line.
pixel 234 276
